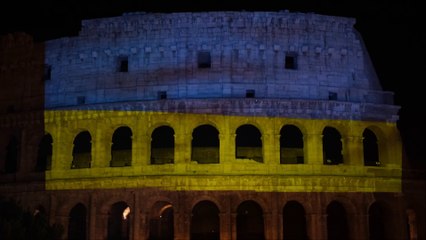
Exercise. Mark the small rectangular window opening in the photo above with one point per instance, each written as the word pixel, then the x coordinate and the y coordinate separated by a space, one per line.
pixel 47 72
pixel 204 59
pixel 162 95
pixel 290 61
pixel 81 100
pixel 250 93
pixel 123 64
pixel 332 96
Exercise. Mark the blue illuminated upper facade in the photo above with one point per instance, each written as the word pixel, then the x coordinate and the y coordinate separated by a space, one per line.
pixel 216 57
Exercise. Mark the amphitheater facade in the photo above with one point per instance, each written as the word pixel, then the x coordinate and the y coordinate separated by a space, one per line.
pixel 208 125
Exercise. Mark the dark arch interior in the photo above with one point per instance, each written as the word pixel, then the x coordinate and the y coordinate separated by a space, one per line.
pixel 161 223
pixel 205 223
pixel 44 154
pixel 371 150
pixel 118 227
pixel 12 153
pixel 121 149
pixel 291 145
pixel 205 144
pixel 332 146
pixel 294 222
pixel 162 145
pixel 337 225
pixel 82 150
pixel 248 143
pixel 250 224
pixel 77 223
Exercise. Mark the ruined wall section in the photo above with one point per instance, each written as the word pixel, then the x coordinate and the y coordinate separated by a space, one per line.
pixel 247 52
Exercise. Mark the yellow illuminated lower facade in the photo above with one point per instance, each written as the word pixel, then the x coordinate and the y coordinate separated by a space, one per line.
pixel 232 171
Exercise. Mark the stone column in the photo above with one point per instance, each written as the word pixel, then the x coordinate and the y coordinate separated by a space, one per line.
pixel 269 226
pixel 313 148
pixel 136 217
pixel 182 147
pixel 224 144
pixel 63 148
pixel 280 224
pixel 101 147
pixel 276 154
pixel 226 220
pixel 317 226
pixel 353 151
pixel 268 146
pixel 360 226
pixel 136 149
pixel 101 226
pixel 234 225
pixel 92 218
pixel 179 225
pixel 225 226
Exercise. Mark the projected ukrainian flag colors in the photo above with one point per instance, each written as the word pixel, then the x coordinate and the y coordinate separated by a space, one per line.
pixel 219 101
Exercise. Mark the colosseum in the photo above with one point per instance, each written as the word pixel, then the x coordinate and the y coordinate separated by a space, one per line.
pixel 205 125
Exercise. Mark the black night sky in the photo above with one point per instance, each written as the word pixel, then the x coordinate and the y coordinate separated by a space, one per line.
pixel 391 29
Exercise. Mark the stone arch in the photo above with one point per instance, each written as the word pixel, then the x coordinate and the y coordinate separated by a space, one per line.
pixel 209 198
pixel 380 221
pixel 161 221
pixel 337 221
pixel 294 221
pixel 332 146
pixel 162 145
pixel 306 203
pixel 291 145
pixel 248 143
pixel 205 144
pixel 77 222
pixel 44 153
pixel 370 148
pixel 250 222
pixel 205 221
pixel 381 142
pixel 12 155
pixel 119 221
pixel 121 148
pixel 82 150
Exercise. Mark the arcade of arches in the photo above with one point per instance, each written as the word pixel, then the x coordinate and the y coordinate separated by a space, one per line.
pixel 154 214
pixel 149 175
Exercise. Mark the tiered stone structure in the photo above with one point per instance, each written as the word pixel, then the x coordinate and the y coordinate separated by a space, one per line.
pixel 213 125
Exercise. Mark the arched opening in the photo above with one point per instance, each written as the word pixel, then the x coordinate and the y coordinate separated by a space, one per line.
pixel 294 222
pixel 371 149
pixel 121 149
pixel 248 143
pixel 77 224
pixel 205 221
pixel 337 225
pixel 205 144
pixel 44 154
pixel 250 224
pixel 12 155
pixel 332 146
pixel 82 151
pixel 376 221
pixel 163 145
pixel 39 224
pixel 119 222
pixel 291 145
pixel 161 224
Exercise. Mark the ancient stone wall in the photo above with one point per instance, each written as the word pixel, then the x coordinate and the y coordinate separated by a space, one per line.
pixel 261 54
